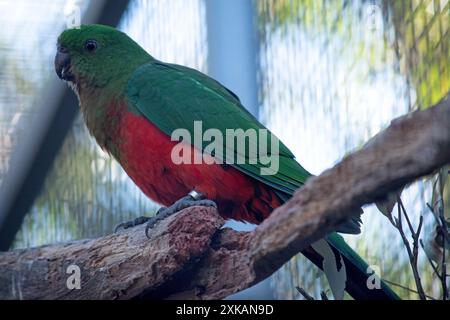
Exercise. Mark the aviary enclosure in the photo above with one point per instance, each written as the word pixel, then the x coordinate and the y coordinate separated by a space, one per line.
pixel 324 76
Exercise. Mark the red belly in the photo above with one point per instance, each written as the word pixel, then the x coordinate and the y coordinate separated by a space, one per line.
pixel 146 157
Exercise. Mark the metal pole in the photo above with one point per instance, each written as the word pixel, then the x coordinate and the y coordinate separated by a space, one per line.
pixel 232 60
pixel 232 48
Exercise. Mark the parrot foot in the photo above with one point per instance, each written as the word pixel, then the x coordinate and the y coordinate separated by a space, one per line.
pixel 192 199
pixel 131 224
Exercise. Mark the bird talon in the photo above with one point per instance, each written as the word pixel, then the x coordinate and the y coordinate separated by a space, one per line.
pixel 119 226
pixel 190 200
pixel 206 203
pixel 147 227
pixel 151 223
pixel 160 210
pixel 130 224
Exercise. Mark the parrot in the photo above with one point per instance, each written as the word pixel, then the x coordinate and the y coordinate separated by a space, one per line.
pixel 132 103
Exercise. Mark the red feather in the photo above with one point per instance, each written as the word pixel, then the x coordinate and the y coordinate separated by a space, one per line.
pixel 145 154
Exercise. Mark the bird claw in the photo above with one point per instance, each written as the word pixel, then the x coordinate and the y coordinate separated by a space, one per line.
pixel 190 200
pixel 131 224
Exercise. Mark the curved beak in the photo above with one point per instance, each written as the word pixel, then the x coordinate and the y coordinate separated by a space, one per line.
pixel 62 64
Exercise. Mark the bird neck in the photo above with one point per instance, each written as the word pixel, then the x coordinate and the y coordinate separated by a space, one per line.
pixel 102 110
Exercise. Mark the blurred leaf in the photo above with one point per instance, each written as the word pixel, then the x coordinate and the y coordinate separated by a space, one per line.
pixel 387 205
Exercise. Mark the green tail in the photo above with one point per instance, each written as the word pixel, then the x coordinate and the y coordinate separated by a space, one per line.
pixel 356 268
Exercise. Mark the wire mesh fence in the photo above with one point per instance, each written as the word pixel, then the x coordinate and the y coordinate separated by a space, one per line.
pixel 331 75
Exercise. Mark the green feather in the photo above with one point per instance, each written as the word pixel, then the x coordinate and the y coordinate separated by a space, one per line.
pixel 173 97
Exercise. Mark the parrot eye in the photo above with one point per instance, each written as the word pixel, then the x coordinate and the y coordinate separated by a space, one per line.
pixel 91 45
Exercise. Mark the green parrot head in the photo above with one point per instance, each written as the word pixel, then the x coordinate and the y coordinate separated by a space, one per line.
pixel 95 56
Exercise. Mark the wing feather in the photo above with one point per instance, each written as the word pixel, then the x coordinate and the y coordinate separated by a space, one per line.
pixel 173 97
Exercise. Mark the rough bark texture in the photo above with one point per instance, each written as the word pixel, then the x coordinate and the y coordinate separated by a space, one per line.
pixel 117 266
pixel 190 256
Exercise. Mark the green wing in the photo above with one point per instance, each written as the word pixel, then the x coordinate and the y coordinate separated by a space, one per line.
pixel 173 97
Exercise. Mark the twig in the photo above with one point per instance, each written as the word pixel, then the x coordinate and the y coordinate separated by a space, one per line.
pixel 436 271
pixel 323 295
pixel 411 228
pixel 392 283
pixel 445 236
pixel 305 294
pixel 437 209
pixel 413 252
pixel 443 277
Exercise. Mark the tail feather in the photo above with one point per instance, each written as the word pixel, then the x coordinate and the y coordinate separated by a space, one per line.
pixel 358 272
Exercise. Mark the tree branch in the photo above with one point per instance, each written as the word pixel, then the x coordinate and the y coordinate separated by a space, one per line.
pixel 189 256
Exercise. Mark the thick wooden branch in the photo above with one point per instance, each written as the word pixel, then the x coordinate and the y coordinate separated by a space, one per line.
pixel 115 266
pixel 190 256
